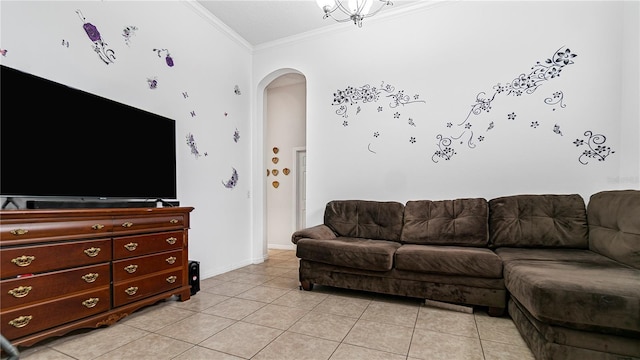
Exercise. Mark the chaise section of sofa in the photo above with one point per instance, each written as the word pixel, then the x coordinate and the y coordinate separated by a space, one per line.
pixel 574 289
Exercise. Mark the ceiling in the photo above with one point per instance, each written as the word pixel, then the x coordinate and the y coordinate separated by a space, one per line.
pixel 263 21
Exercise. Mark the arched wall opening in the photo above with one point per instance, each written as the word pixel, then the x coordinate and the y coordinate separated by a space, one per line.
pixel 262 154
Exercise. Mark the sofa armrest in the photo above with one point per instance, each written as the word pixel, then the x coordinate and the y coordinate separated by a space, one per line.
pixel 315 232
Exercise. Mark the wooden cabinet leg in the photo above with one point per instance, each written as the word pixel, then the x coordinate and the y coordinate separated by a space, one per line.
pixel 306 285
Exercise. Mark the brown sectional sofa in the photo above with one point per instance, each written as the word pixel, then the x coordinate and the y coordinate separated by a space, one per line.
pixel 570 274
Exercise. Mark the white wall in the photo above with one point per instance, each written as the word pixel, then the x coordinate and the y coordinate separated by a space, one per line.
pixel 285 129
pixel 208 65
pixel 447 55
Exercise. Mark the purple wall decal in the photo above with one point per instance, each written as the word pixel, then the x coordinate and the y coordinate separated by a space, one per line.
pixel 99 45
pixel 233 181
pixel 168 58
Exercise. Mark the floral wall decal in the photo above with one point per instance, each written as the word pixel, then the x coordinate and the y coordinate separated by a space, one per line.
pixel 233 181
pixel 65 43
pixel 596 148
pixel 153 83
pixel 191 142
pixel 128 32
pixel 236 135
pixel 99 45
pixel 521 85
pixel 358 97
pixel 556 98
pixel 3 52
pixel 168 58
pixel 236 90
pixel 366 94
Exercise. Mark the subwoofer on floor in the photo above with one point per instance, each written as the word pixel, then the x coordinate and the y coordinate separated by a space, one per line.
pixel 194 276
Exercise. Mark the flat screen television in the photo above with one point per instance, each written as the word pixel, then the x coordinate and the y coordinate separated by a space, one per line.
pixel 60 142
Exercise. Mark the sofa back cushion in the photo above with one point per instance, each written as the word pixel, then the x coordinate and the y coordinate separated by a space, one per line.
pixel 614 225
pixel 378 220
pixel 542 221
pixel 461 222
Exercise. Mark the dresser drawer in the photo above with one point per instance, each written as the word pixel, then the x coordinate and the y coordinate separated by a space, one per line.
pixel 147 223
pixel 48 257
pixel 26 290
pixel 52 229
pixel 139 266
pixel 30 319
pixel 141 287
pixel 129 246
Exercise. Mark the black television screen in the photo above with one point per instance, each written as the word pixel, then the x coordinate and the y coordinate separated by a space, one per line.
pixel 57 141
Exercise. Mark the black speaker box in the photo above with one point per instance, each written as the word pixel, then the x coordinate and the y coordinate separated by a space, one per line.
pixel 194 276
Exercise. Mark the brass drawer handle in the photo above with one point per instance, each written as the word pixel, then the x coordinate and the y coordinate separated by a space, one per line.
pixel 92 252
pixel 131 246
pixel 24 260
pixel 97 227
pixel 91 302
pixel 21 321
pixel 132 290
pixel 171 240
pixel 171 260
pixel 171 279
pixel 127 224
pixel 131 268
pixel 18 232
pixel 174 221
pixel 90 277
pixel 20 291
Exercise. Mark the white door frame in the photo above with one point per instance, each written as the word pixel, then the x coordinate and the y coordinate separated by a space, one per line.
pixel 297 187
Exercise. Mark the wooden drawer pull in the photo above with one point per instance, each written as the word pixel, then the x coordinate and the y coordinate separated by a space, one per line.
pixel 127 224
pixel 97 227
pixel 92 252
pixel 20 291
pixel 131 268
pixel 171 279
pixel 18 232
pixel 90 277
pixel 174 221
pixel 171 240
pixel 171 260
pixel 24 260
pixel 131 246
pixel 91 302
pixel 132 290
pixel 21 321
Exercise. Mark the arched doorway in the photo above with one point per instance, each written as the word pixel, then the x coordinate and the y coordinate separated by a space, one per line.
pixel 279 135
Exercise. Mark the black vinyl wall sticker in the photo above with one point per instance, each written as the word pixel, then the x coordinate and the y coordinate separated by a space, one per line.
pixel 352 95
pixel 524 84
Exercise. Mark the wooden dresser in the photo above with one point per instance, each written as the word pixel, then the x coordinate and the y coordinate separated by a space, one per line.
pixel 85 268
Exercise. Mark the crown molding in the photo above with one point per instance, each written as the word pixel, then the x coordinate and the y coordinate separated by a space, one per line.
pixel 217 23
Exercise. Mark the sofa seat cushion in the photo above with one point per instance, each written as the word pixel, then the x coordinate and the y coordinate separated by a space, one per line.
pixel 449 260
pixel 574 288
pixel 366 254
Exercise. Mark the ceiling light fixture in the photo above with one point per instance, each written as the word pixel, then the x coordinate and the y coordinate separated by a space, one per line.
pixel 355 10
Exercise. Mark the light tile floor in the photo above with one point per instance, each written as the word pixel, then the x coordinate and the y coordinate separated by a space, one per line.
pixel 258 312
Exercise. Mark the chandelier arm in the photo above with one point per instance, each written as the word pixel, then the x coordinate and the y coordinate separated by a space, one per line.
pixel 342 8
pixel 386 3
